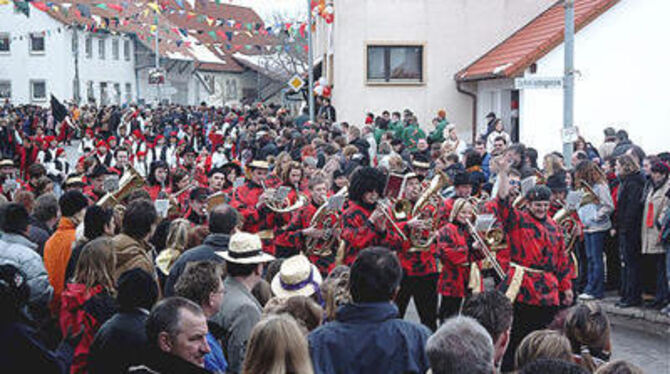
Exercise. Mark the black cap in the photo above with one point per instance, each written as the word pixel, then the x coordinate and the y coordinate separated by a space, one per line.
pixel 556 183
pixel 461 179
pixel 136 289
pixel 538 193
pixel 490 115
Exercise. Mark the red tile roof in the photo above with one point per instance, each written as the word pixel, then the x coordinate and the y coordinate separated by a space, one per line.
pixel 530 43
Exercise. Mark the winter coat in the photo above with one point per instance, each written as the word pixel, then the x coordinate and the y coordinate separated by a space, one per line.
pixel 88 308
pixel 657 202
pixel 119 343
pixel 207 251
pixel 630 205
pixel 369 338
pixel 130 254
pixel 23 352
pixel 156 361
pixel 57 251
pixel 239 313
pixel 20 252
pixel 596 217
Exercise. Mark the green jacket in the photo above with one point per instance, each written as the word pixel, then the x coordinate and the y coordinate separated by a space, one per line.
pixel 411 136
pixel 437 135
pixel 397 128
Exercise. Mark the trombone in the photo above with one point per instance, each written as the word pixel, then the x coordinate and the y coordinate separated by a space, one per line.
pixel 384 206
pixel 487 252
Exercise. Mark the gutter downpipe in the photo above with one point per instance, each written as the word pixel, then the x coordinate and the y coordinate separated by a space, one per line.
pixel 472 95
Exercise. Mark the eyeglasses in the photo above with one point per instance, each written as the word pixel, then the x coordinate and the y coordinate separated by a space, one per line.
pixel 514 183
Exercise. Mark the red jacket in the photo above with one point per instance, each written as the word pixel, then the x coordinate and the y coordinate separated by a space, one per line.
pixel 418 262
pixel 537 245
pixel 454 250
pixel 244 200
pixel 359 233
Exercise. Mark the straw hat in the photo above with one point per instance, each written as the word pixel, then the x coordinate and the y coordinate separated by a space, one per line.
pixel 258 164
pixel 296 277
pixel 245 248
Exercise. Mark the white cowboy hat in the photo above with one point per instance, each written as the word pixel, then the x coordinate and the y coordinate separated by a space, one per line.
pixel 296 277
pixel 245 248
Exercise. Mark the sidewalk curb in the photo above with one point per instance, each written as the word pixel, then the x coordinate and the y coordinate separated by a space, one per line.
pixel 646 320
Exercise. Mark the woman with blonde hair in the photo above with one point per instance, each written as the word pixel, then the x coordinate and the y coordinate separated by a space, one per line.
pixel 588 330
pixel 542 344
pixel 88 301
pixel 282 162
pixel 552 164
pixel 175 244
pixel 277 346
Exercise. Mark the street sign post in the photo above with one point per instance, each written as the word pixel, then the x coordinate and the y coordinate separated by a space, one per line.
pixel 296 83
pixel 538 83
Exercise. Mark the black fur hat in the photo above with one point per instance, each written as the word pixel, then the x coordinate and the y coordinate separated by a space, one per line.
pixel 366 179
pixel 539 193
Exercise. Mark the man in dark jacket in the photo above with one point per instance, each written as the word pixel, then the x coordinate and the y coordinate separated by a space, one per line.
pixel 43 220
pixel 223 220
pixel 367 335
pixel 121 341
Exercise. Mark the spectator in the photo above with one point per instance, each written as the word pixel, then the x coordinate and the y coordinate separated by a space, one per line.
pixel 18 251
pixel 22 350
pixel 177 335
pixel 277 345
pixel 223 221
pixel 175 244
pixel 121 340
pixel 494 312
pixel 460 345
pixel 240 311
pixel 88 301
pixel 619 367
pixel 43 219
pixel 201 283
pixel 335 291
pixel 607 148
pixel 542 344
pixel 588 330
pixel 297 276
pixel 628 226
pixel 131 246
pixel 552 366
pixel 370 321
pixel 58 248
pixel 497 131
pixel 305 310
pixel 98 221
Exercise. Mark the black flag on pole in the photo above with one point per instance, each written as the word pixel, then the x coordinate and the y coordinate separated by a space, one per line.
pixel 58 110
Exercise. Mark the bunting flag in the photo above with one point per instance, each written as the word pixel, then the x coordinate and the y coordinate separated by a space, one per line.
pixel 116 7
pixel 40 5
pixel 212 34
pixel 101 6
pixel 154 7
pixel 180 3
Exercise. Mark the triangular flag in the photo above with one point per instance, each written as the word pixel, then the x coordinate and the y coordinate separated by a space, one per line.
pixel 40 5
pixel 229 35
pixel 101 6
pixel 180 3
pixel 116 7
pixel 212 34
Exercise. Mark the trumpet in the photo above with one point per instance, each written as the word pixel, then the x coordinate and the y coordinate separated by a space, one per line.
pixel 487 252
pixel 383 205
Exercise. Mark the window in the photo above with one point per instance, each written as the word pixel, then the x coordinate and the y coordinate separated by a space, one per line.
pixel 101 49
pixel 117 93
pixel 75 43
pixel 5 89
pixel 4 43
pixel 395 64
pixel 90 94
pixel 37 43
pixel 126 50
pixel 129 93
pixel 89 47
pixel 38 90
pixel 115 49
pixel 75 90
pixel 103 93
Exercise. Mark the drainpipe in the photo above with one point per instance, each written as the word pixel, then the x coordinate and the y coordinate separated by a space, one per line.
pixel 472 95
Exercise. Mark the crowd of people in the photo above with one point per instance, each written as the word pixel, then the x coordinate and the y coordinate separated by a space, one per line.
pixel 250 240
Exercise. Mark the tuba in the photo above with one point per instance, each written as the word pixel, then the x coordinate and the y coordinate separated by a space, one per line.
pixel 327 219
pixel 130 181
pixel 422 238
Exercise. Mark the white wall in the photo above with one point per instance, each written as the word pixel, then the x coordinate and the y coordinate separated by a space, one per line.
pixel 622 57
pixel 455 33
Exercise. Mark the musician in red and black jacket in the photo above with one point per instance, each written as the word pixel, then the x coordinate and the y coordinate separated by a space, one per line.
pixel 462 189
pixel 539 276
pixel 461 260
pixel 249 199
pixel 559 191
pixel 363 223
pixel 419 265
pixel 95 191
pixel 291 177
pixel 293 239
pixel 157 182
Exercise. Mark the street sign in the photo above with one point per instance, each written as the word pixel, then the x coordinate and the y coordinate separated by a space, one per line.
pixel 538 83
pixel 296 83
pixel 570 134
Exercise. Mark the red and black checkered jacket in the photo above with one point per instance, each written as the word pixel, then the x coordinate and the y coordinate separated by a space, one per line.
pixel 359 233
pixel 273 181
pixel 417 262
pixel 537 245
pixel 244 200
pixel 445 211
pixel 502 255
pixel 454 250
pixel 292 237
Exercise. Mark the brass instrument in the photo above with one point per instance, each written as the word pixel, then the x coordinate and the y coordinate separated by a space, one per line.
pixel 130 181
pixel 419 237
pixel 565 219
pixel 325 219
pixel 401 209
pixel 383 206
pixel 284 205
pixel 487 252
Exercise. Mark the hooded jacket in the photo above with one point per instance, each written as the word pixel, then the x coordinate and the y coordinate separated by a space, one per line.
pixel 57 251
pixel 132 253
pixel 20 252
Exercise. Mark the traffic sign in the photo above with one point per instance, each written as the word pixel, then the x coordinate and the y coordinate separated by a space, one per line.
pixel 538 83
pixel 296 83
pixel 570 134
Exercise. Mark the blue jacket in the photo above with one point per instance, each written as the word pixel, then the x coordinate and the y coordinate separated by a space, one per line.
pixel 369 338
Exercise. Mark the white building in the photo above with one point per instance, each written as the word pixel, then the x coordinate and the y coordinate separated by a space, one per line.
pixel 397 54
pixel 620 80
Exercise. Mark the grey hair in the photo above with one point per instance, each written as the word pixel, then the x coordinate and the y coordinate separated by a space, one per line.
pixel 166 317
pixel 460 345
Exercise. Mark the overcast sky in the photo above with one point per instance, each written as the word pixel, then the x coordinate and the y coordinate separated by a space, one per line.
pixel 288 9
